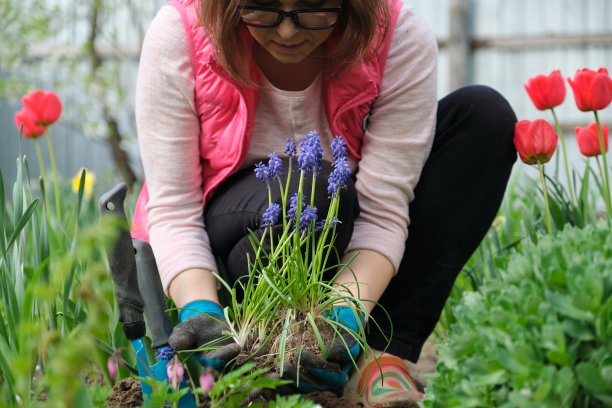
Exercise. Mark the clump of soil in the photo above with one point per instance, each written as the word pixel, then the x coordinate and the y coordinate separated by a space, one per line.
pixel 126 394
pixel 300 336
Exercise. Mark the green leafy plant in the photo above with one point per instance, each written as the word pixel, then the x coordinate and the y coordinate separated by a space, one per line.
pixel 234 388
pixel 538 337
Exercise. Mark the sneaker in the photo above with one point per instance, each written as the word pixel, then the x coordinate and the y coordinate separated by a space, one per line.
pixel 387 383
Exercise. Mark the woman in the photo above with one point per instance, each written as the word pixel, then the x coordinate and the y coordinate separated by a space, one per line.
pixel 223 83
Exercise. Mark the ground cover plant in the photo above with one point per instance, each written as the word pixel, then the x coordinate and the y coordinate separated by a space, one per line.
pixel 540 335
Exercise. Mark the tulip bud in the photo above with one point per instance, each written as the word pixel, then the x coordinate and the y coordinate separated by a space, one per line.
pixel 588 139
pixel 546 92
pixel 592 89
pixel 535 141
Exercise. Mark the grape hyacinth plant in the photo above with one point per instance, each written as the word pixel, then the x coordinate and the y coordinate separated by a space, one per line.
pixel 285 293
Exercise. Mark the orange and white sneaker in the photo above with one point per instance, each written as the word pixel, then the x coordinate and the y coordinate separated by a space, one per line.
pixel 386 383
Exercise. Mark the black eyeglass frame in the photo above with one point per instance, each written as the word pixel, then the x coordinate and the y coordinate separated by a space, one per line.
pixel 293 14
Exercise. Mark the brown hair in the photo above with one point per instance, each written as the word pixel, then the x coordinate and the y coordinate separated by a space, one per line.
pixel 361 23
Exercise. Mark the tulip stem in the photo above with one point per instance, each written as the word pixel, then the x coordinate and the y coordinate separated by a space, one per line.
pixel 546 206
pixel 39 156
pixel 563 151
pixel 606 172
pixel 43 173
pixel 56 186
pixel 601 175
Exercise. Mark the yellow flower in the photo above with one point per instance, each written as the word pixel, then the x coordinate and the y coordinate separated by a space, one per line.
pixel 90 181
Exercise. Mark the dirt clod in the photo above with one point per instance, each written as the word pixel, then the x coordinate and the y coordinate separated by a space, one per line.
pixel 126 394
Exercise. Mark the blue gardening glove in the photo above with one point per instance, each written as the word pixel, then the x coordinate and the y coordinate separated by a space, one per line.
pixel 202 323
pixel 331 374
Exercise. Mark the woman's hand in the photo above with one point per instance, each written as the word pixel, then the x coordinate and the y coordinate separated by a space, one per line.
pixel 202 324
pixel 314 373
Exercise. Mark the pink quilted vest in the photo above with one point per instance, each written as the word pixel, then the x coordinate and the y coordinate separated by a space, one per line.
pixel 226 110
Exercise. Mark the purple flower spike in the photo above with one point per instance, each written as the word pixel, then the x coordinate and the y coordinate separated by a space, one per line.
pixel 309 214
pixel 334 222
pixel 339 176
pixel 311 153
pixel 290 148
pixel 293 206
pixel 165 353
pixel 321 224
pixel 270 216
pixel 261 171
pixel 275 166
pixel 338 147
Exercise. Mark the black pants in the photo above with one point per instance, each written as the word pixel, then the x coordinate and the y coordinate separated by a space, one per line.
pixel 457 197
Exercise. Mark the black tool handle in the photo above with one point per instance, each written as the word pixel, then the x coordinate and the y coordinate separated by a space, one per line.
pixel 123 267
pixel 152 292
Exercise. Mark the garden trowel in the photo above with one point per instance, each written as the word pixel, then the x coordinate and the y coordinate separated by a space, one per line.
pixel 134 271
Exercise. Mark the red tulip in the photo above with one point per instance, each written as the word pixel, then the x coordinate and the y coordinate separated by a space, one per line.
pixel 588 139
pixel 535 141
pixel 592 89
pixel 46 106
pixel 30 128
pixel 546 91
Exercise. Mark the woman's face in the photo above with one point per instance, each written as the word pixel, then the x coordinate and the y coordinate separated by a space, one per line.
pixel 287 42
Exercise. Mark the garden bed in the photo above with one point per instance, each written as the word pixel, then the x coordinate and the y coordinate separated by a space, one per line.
pixel 127 393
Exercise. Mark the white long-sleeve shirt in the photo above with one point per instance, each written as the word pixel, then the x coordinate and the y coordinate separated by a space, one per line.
pixel 395 146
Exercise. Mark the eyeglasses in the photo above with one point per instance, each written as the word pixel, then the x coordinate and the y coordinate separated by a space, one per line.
pixel 309 19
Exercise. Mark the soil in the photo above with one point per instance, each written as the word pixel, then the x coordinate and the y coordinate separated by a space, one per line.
pixel 330 400
pixel 300 336
pixel 127 393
